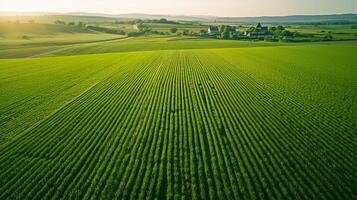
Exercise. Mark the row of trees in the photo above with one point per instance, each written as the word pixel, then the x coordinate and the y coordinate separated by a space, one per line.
pixel 273 33
pixel 140 21
pixel 79 24
pixel 106 30
pixel 90 27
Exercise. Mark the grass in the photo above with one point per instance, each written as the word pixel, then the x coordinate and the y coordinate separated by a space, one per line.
pixel 157 43
pixel 338 32
pixel 201 120
pixel 27 40
pixel 128 28
pixel 50 19
pixel 44 46
pixel 19 29
pixel 109 44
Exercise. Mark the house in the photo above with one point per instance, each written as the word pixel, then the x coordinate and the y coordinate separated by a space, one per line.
pixel 213 30
pixel 259 30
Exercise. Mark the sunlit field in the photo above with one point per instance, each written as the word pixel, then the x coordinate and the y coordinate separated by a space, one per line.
pixel 86 114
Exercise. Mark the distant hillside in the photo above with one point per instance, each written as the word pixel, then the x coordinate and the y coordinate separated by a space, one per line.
pixel 131 16
pixel 38 29
pixel 99 17
pixel 51 18
pixel 265 19
pixel 169 17
pixel 291 19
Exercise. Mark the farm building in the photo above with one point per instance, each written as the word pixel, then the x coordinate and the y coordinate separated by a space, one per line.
pixel 213 30
pixel 258 31
pixel 261 29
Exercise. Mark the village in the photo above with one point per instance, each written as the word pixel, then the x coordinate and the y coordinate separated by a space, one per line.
pixel 250 32
pixel 258 32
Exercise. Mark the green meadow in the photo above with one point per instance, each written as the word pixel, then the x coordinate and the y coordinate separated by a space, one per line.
pixel 90 115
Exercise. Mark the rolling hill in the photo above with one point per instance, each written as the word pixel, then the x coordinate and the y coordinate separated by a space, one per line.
pixel 99 17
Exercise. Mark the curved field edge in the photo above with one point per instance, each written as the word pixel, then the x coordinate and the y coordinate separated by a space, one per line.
pixel 185 124
pixel 40 47
pixel 136 44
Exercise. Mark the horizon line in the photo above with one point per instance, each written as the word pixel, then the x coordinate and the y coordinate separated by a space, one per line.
pixel 172 15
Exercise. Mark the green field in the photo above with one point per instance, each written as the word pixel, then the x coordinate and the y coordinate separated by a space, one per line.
pixel 28 40
pixel 89 115
pixel 227 123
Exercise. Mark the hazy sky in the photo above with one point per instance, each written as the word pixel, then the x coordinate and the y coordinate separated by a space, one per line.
pixel 186 7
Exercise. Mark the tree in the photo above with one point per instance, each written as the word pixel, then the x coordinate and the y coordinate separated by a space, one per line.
pixel 296 34
pixel 140 26
pixel 60 22
pixel 222 28
pixel 202 31
pixel 272 29
pixel 287 33
pixel 225 34
pixel 138 21
pixel 354 27
pixel 163 20
pixel 71 23
pixel 328 37
pixel 251 29
pixel 173 30
pixel 80 24
pixel 280 28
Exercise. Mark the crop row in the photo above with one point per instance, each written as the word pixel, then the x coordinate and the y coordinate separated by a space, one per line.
pixel 176 125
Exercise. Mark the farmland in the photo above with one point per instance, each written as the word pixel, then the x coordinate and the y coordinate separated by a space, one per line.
pixel 103 108
pixel 171 118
